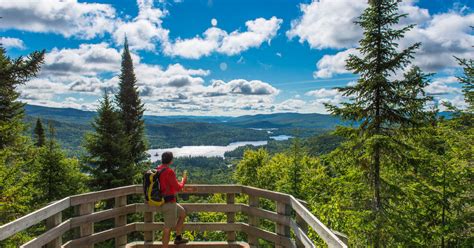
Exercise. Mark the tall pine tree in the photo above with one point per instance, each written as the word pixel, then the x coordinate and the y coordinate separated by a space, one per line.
pixel 131 108
pixel 14 72
pixel 39 133
pixel 381 104
pixel 108 161
pixel 467 80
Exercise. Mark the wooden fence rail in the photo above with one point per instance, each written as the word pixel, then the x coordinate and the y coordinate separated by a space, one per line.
pixel 285 226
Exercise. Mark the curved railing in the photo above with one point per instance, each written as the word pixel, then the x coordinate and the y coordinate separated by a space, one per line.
pixel 291 216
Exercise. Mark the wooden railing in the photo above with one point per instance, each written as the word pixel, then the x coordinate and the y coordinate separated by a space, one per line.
pixel 291 216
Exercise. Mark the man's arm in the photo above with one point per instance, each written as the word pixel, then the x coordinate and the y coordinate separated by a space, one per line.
pixel 173 181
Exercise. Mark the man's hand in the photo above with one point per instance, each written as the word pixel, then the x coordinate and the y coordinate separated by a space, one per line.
pixel 185 175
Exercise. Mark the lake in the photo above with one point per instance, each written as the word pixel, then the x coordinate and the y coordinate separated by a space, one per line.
pixel 281 137
pixel 206 151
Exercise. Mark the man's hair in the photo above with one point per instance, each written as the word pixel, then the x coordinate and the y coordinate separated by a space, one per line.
pixel 166 157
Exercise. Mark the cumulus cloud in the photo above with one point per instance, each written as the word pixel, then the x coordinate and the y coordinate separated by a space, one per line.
pixel 241 86
pixel 323 93
pixel 8 42
pixel 440 86
pixel 328 23
pixel 144 30
pixel 87 59
pixel 330 65
pixel 290 105
pixel 258 31
pixel 443 35
pixel 217 40
pixel 65 17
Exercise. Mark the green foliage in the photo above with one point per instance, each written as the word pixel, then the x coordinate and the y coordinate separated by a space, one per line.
pixel 249 165
pixel 108 160
pixel 383 106
pixel 468 82
pixel 30 176
pixel 56 175
pixel 14 72
pixel 204 170
pixel 39 134
pixel 131 109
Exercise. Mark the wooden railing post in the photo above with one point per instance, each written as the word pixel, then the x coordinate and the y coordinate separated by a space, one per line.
pixel 230 217
pixel 304 227
pixel 87 228
pixel 51 222
pixel 253 221
pixel 121 220
pixel 280 229
pixel 149 235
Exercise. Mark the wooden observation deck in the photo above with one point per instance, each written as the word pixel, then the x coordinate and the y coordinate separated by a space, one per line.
pixel 292 220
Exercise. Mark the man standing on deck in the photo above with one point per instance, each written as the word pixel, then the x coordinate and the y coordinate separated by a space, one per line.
pixel 173 213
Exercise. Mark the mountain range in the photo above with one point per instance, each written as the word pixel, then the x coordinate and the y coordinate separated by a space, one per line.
pixel 168 131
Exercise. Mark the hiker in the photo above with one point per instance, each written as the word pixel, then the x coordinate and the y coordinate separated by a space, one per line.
pixel 173 213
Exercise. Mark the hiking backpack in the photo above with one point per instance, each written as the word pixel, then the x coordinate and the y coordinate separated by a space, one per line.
pixel 152 188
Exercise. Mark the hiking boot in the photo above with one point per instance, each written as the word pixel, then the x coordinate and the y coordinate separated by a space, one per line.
pixel 180 241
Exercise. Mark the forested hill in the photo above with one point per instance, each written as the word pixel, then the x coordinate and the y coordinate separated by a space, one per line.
pixel 169 131
pixel 277 120
pixel 286 120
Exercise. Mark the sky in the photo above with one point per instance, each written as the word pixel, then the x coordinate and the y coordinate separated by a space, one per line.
pixel 221 57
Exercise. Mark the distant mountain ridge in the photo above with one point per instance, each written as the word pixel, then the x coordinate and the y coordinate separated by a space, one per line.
pixel 275 120
pixel 170 131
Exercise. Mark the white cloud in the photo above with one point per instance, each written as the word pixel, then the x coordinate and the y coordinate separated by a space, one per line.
pixel 323 93
pixel 328 23
pixel 440 86
pixel 217 40
pixel 88 59
pixel 458 102
pixel 241 86
pixel 329 65
pixel 290 105
pixel 68 17
pixel 443 35
pixel 196 47
pixel 258 31
pixel 144 30
pixel 8 42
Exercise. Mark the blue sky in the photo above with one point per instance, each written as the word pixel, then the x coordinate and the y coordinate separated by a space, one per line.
pixel 219 57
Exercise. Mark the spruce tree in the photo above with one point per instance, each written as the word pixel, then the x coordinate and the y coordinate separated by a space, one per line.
pixel 57 176
pixel 467 81
pixel 131 108
pixel 14 72
pixel 39 133
pixel 380 103
pixel 108 160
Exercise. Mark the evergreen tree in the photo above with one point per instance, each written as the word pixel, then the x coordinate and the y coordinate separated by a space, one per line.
pixel 468 82
pixel 131 108
pixel 39 133
pixel 16 184
pixel 108 160
pixel 14 72
pixel 57 176
pixel 382 105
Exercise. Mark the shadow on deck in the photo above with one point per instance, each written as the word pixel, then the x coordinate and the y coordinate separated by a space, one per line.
pixel 291 217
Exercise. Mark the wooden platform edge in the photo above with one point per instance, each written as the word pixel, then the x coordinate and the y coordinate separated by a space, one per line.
pixel 215 244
